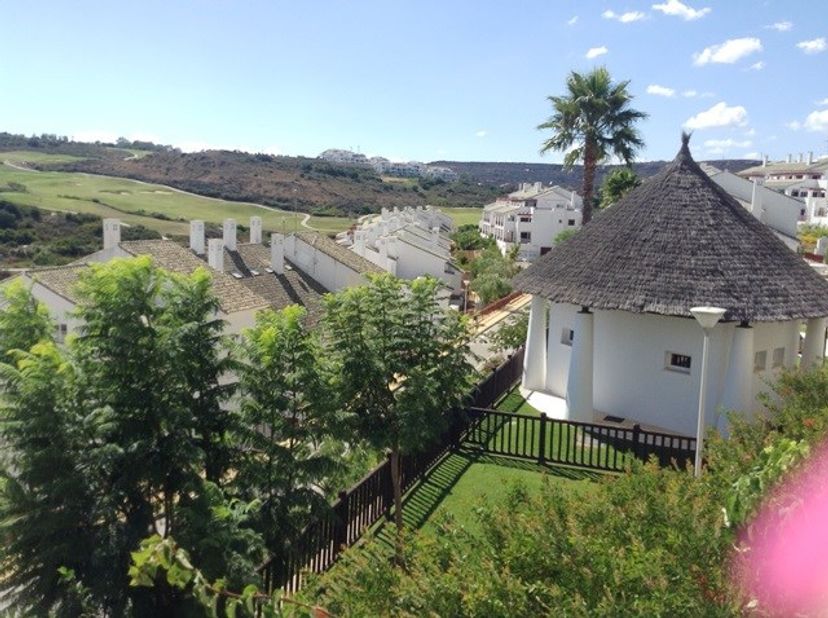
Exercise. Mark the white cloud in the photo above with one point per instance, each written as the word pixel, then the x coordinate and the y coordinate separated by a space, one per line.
pixel 720 115
pixel 660 91
pixel 752 155
pixel 594 52
pixel 817 121
pixel 750 132
pixel 572 21
pixel 823 102
pixel 720 146
pixel 624 18
pixel 794 125
pixel 679 9
pixel 781 26
pixel 814 46
pixel 757 66
pixel 481 133
pixel 689 93
pixel 728 52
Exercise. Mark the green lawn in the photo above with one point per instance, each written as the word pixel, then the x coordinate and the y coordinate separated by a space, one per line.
pixel 137 202
pixel 465 480
pixel 464 215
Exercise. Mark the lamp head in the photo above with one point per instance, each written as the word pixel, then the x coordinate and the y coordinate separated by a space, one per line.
pixel 708 317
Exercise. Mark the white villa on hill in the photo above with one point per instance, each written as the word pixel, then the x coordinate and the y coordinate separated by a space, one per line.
pixel 247 276
pixel 530 218
pixel 408 243
pixel 611 332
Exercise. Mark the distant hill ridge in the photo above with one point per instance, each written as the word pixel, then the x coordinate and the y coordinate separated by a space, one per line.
pixel 501 174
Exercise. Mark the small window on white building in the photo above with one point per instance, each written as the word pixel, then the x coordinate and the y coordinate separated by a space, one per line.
pixel 567 335
pixel 571 222
pixel 778 357
pixel 525 237
pixel 678 362
pixel 760 360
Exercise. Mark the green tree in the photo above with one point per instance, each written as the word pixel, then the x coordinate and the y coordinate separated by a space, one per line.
pixel 592 121
pixel 47 511
pixel 492 274
pixel 468 238
pixel 617 184
pixel 401 365
pixel 287 411
pixel 23 321
pixel 565 235
pixel 511 334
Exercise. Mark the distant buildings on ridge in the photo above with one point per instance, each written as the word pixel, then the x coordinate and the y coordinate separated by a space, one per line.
pixel 385 167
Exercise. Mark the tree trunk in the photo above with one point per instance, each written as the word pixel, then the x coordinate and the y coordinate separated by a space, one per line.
pixel 589 181
pixel 398 519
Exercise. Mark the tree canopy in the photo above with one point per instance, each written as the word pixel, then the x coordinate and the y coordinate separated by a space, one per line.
pixel 590 122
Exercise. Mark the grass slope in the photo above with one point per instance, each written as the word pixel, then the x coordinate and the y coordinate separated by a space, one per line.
pixel 158 207
pixel 134 202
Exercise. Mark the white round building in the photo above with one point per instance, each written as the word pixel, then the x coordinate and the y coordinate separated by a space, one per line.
pixel 610 327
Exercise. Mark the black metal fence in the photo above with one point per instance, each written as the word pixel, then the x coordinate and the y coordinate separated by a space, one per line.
pixel 538 438
pixel 587 445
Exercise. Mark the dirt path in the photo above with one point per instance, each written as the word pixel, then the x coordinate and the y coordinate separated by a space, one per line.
pixel 20 167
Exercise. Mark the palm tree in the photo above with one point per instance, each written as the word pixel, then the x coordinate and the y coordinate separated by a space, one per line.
pixel 593 120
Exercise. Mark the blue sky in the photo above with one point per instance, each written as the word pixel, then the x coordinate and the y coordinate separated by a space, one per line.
pixel 424 79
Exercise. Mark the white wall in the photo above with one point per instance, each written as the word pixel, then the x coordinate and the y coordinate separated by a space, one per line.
pixel 413 262
pixel 630 375
pixel 781 212
pixel 330 273
pixel 60 308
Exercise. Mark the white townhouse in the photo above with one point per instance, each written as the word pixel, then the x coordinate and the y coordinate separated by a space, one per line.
pixel 780 212
pixel 530 218
pixel 611 337
pixel 408 243
pixel 805 180
pixel 247 276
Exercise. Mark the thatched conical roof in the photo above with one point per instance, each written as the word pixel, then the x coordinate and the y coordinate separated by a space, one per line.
pixel 675 242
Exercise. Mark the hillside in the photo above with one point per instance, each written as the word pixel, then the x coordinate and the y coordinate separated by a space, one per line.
pixel 31 237
pixel 501 174
pixel 289 183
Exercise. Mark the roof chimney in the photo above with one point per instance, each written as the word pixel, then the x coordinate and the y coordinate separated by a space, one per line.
pixel 764 160
pixel 256 230
pixel 197 237
pixel 790 158
pixel 435 235
pixel 215 254
pixel 277 253
pixel 111 233
pixel 800 157
pixel 229 233
pixel 810 157
pixel 538 186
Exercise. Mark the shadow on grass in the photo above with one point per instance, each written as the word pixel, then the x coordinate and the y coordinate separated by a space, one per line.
pixel 420 503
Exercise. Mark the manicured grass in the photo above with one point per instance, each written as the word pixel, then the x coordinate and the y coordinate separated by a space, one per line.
pixel 465 481
pixel 136 202
pixel 30 156
pixel 464 215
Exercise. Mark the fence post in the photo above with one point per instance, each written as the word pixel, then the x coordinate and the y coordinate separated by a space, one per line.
pixel 341 523
pixel 388 493
pixel 636 438
pixel 542 440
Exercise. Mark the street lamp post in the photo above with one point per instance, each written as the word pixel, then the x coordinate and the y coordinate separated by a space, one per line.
pixel 707 317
